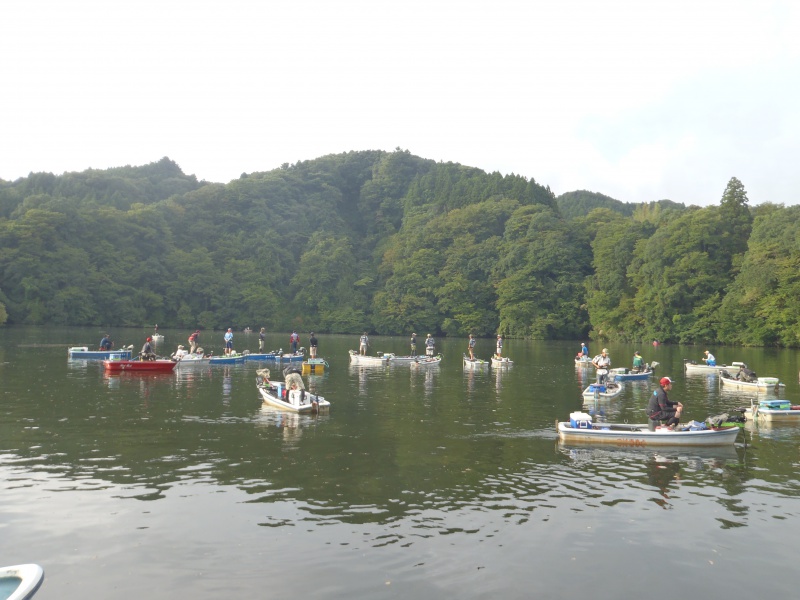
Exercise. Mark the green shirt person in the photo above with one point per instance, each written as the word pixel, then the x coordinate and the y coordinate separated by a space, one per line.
pixel 638 361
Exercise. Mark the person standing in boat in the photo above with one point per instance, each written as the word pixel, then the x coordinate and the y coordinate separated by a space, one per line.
pixel 262 335
pixel 294 339
pixel 471 347
pixel 312 344
pixel 193 338
pixel 228 338
pixel 638 362
pixel 661 409
pixel 584 350
pixel 602 363
pixel 710 360
pixel 363 343
pixel 147 350
pixel 430 345
pixel 106 343
pixel 413 344
pixel 499 348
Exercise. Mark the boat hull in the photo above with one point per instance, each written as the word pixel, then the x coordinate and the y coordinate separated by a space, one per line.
pixel 363 359
pixel 193 362
pixel 314 366
pixel 226 360
pixel 640 436
pixel 20 582
pixel 84 353
pixel 502 362
pixel 476 363
pixel 139 366
pixel 274 356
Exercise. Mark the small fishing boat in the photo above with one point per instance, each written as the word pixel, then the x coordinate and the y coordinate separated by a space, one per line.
pixel 427 361
pixel 760 384
pixel 693 368
pixel 298 356
pixel 474 363
pixel 363 359
pixel 314 366
pixel 292 398
pixel 83 352
pixel 263 356
pixel 160 365
pixel 502 361
pixel 583 361
pixel 773 410
pixel 622 374
pixel 580 429
pixel 606 390
pixel 20 582
pixel 193 360
pixel 229 359
pixel 157 338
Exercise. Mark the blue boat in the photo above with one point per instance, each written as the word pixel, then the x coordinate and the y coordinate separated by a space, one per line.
pixel 296 357
pixel 83 352
pixel 255 356
pixel 237 359
pixel 627 375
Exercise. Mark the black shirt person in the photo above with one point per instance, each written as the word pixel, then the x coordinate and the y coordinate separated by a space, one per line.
pixel 661 408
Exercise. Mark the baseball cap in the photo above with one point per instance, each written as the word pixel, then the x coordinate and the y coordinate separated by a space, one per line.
pixel 665 380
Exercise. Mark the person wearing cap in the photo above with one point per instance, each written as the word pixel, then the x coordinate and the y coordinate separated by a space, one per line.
pixel 228 338
pixel 499 346
pixel 430 345
pixel 262 335
pixel 179 353
pixel 660 409
pixel 413 344
pixel 710 360
pixel 471 347
pixel 193 341
pixel 294 340
pixel 363 344
pixel 584 350
pixel 638 362
pixel 602 363
pixel 312 344
pixel 147 350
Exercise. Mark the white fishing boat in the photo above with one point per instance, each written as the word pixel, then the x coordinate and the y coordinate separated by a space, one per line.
pixel 193 360
pixel 289 395
pixel 20 582
pixel 583 361
pixel 580 429
pixel 760 384
pixel 157 338
pixel 83 352
pixel 475 363
pixel 363 359
pixel 693 368
pixel 607 389
pixel 427 361
pixel 772 410
pixel 503 361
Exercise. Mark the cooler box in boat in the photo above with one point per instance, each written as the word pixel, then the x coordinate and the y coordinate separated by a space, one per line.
pixel 594 387
pixel 768 381
pixel 580 420
pixel 775 404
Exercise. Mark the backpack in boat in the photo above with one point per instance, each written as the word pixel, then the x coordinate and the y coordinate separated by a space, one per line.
pixel 717 420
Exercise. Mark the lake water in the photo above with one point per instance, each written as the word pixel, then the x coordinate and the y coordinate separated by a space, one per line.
pixel 424 484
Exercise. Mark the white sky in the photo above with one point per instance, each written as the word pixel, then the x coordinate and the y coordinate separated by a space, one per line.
pixel 636 99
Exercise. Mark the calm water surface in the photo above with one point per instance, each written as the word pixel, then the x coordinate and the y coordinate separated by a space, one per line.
pixel 434 483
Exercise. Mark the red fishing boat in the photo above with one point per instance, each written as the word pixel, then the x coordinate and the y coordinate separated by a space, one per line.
pixel 140 366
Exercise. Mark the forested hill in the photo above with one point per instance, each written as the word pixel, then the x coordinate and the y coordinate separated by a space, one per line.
pixel 389 242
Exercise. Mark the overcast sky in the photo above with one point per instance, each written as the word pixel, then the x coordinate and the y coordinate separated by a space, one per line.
pixel 639 100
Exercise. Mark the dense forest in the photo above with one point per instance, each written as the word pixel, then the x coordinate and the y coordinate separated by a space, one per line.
pixel 390 242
